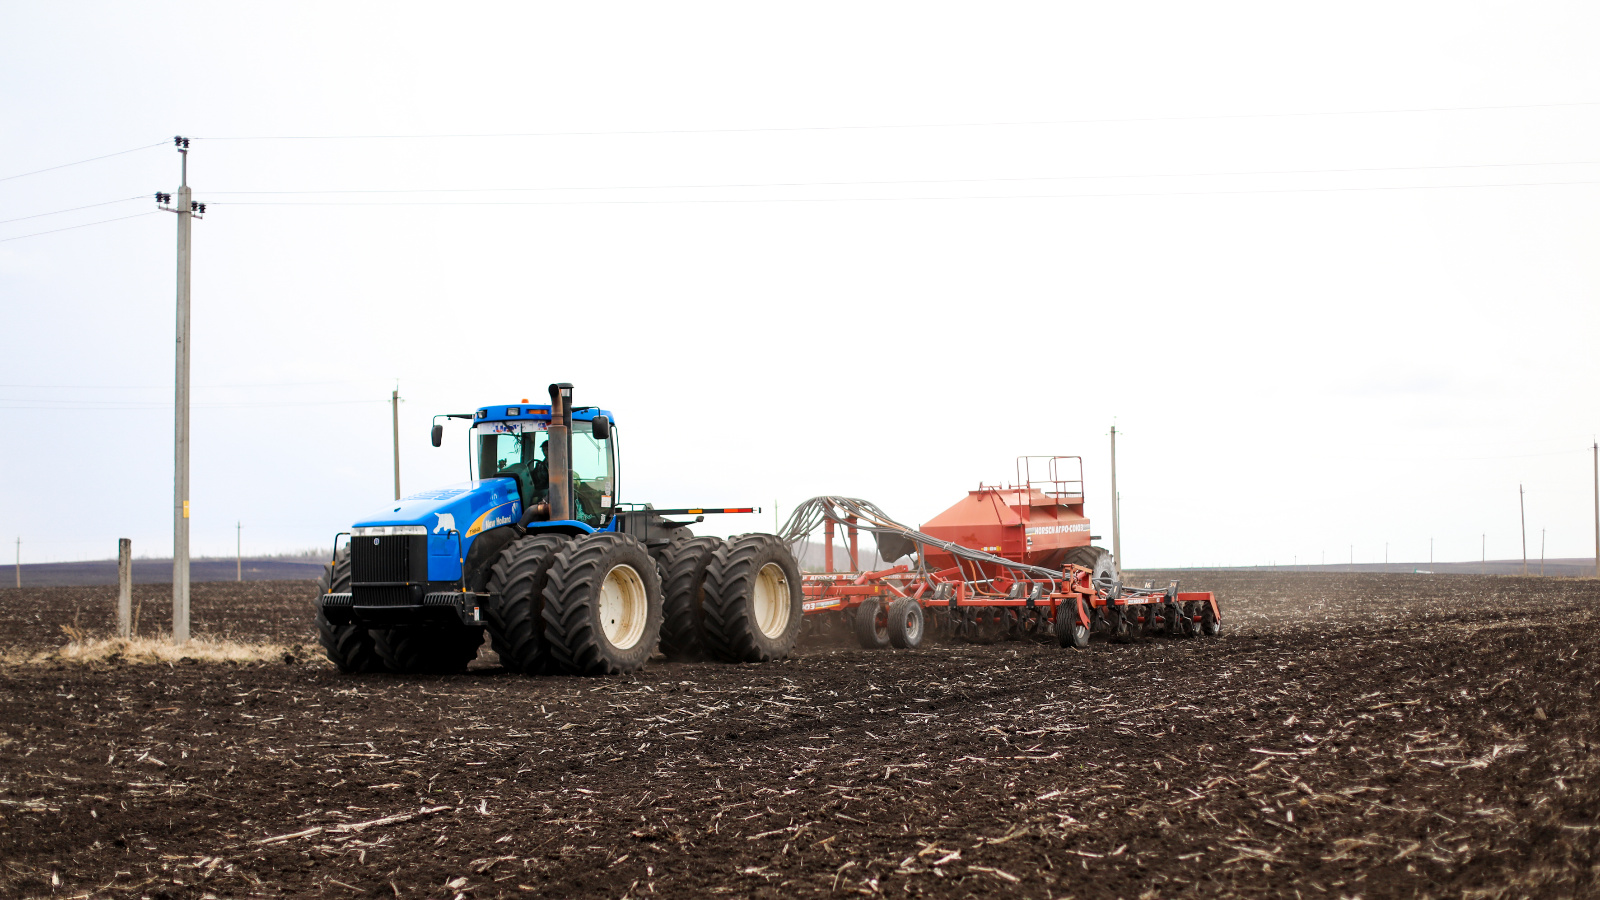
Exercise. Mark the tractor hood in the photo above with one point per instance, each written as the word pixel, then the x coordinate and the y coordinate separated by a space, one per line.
pixel 450 517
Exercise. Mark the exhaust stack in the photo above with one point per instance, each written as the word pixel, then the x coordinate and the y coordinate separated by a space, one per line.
pixel 559 451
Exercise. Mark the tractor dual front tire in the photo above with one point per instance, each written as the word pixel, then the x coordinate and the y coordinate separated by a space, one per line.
pixel 428 649
pixel 752 602
pixel 602 605
pixel 349 647
pixel 515 605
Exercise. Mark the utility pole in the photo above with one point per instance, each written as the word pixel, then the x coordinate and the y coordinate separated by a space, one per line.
pixel 394 401
pixel 1522 510
pixel 238 550
pixel 124 588
pixel 1116 506
pixel 187 210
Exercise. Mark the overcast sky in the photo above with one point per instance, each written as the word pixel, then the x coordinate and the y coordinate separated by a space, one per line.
pixel 1331 270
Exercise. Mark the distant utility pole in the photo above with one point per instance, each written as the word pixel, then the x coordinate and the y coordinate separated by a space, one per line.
pixel 1522 510
pixel 186 209
pixel 124 588
pixel 238 550
pixel 394 401
pixel 1116 506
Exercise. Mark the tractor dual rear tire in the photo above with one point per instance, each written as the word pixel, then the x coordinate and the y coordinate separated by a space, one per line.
pixel 683 582
pixel 515 605
pixel 602 605
pixel 349 647
pixel 752 603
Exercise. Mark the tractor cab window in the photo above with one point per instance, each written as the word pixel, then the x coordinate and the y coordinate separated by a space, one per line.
pixel 592 476
pixel 505 451
pixel 519 450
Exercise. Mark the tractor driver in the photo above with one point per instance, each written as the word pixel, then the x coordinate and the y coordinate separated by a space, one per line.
pixel 531 474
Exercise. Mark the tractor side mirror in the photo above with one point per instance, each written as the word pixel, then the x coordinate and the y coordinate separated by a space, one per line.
pixel 602 428
pixel 438 435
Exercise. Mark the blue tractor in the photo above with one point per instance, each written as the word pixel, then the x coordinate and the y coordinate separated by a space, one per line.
pixel 538 550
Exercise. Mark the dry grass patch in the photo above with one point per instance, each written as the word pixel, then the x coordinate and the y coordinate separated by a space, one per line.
pixel 83 648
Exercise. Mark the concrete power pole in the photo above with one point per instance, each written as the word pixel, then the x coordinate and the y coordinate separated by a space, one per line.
pixel 394 401
pixel 1522 510
pixel 1116 506
pixel 187 210
pixel 124 588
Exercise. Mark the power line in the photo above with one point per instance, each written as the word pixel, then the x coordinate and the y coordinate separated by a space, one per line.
pixel 881 127
pixel 84 225
pixel 783 184
pixel 73 209
pixel 1417 187
pixel 75 405
pixel 82 161
pixel 168 387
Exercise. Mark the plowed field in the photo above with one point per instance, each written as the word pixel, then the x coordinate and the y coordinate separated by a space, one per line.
pixel 1361 735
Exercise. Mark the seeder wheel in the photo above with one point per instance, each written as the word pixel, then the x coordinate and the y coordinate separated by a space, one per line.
pixel 1068 630
pixel 906 623
pixel 872 625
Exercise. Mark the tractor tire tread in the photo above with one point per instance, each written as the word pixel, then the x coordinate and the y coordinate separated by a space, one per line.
pixel 683 578
pixel 516 597
pixel 728 628
pixel 576 644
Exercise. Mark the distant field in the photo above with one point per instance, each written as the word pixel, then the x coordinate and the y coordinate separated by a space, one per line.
pixel 159 571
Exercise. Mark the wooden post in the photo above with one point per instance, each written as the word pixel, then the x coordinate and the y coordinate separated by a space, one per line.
pixel 124 588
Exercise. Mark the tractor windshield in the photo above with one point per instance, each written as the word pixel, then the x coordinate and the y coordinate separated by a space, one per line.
pixel 517 450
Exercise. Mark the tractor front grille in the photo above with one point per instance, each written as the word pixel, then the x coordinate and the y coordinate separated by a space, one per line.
pixel 385 560
pixel 382 596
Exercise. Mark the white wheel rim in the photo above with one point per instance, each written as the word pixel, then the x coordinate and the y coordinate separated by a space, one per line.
pixel 624 607
pixel 771 600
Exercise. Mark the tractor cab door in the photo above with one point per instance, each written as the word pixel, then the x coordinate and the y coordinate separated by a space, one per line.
pixel 594 482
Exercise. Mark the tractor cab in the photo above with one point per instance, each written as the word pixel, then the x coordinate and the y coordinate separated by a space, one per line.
pixel 514 442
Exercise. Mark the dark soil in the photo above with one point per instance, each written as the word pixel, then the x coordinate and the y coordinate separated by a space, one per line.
pixel 1360 735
